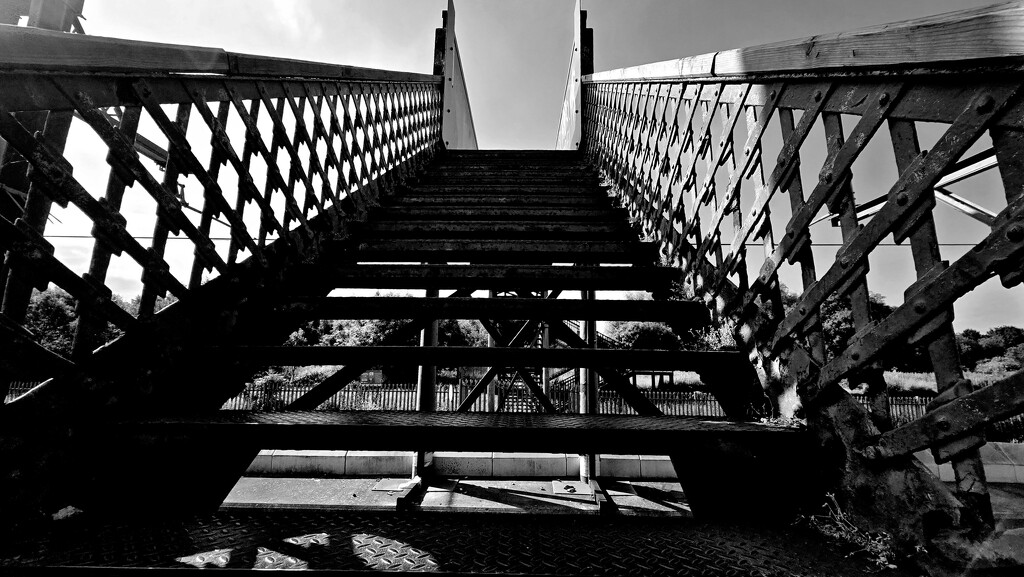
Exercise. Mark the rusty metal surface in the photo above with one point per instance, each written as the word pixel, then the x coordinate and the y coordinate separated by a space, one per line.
pixel 465 543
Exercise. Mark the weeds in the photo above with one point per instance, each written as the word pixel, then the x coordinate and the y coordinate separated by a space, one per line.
pixel 833 523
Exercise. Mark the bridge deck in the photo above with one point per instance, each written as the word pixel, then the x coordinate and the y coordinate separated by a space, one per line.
pixel 448 431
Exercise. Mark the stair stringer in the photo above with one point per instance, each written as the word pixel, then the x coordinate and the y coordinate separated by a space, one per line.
pixel 56 446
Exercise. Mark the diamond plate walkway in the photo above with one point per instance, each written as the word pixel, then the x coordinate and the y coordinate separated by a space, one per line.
pixel 448 543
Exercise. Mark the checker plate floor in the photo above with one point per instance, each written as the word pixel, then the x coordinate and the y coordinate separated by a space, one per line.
pixel 436 542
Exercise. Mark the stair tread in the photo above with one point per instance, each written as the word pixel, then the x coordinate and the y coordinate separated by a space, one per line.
pixel 410 430
pixel 650 359
pixel 486 276
pixel 491 308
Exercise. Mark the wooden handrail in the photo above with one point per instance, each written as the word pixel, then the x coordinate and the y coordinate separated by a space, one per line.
pixel 44 50
pixel 961 37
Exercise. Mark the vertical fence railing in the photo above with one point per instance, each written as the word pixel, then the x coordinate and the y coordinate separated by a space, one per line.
pixel 243 159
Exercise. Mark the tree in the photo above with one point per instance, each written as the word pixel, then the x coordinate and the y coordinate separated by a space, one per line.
pixel 52 319
pixel 644 335
pixel 838 329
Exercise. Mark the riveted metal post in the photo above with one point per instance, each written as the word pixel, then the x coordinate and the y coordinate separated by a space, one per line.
pixel 426 385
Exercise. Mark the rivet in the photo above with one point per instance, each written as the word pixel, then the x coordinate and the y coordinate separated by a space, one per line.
pixel 803 310
pixel 943 424
pixel 985 104
pixel 855 356
pixel 844 262
pixel 771 95
pixel 817 96
pixel 746 151
pixel 1015 233
pixel 920 307
pixel 828 177
pixel 883 99
pixel 902 199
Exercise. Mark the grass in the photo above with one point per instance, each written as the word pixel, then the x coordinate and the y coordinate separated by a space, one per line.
pixel 915 382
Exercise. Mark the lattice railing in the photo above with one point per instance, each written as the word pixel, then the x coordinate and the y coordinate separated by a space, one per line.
pixel 243 158
pixel 731 160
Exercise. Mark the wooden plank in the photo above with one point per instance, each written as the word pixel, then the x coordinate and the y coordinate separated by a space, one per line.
pixel 250 65
pixel 988 32
pixel 980 34
pixel 475 357
pixel 696 66
pixel 506 432
pixel 30 48
pixel 479 308
pixel 49 50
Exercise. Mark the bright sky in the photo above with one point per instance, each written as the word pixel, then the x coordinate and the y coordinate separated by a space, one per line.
pixel 515 56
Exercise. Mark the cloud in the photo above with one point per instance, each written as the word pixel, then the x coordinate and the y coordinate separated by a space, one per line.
pixel 296 19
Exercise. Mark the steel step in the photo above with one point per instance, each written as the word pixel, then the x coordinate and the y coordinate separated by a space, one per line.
pixel 308 308
pixel 482 229
pixel 488 277
pixel 452 431
pixel 500 212
pixel 506 198
pixel 508 251
pixel 648 359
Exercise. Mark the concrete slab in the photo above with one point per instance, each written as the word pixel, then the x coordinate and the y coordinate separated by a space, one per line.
pixel 627 501
pixel 943 471
pixel 572 466
pixel 289 493
pixel 656 467
pixel 504 496
pixel 308 463
pixel 261 465
pixel 519 465
pixel 619 466
pixel 379 463
pixel 560 487
pixel 463 464
pixel 661 498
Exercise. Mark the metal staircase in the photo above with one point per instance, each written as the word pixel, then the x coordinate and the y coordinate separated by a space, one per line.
pixel 289 180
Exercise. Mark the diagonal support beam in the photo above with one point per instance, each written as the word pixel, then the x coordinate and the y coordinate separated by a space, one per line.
pixel 526 332
pixel 633 397
pixel 521 337
pixel 345 375
pixel 523 373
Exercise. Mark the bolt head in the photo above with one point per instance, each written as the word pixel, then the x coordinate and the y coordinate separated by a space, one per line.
pixel 902 199
pixel 1015 233
pixel 818 96
pixel 985 104
pixel 920 307
pixel 883 99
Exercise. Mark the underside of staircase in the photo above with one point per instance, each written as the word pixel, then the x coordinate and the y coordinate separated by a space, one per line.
pixel 146 439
